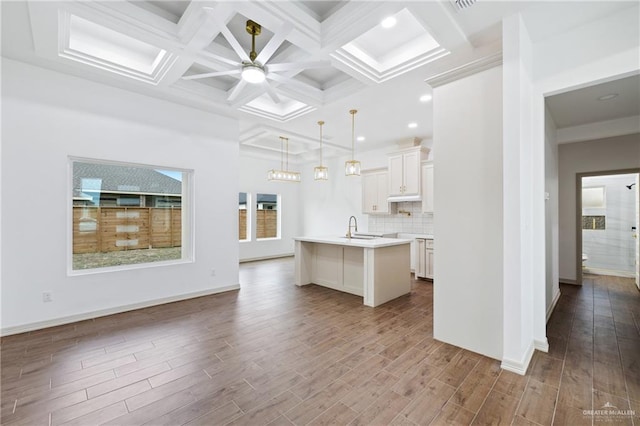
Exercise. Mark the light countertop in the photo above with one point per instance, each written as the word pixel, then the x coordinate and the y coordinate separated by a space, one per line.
pixel 354 242
pixel 411 235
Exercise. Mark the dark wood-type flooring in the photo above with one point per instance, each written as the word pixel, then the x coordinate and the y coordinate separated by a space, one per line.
pixel 273 353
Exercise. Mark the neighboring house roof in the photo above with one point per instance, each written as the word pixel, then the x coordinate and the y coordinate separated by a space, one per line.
pixel 267 198
pixel 93 177
pixel 262 198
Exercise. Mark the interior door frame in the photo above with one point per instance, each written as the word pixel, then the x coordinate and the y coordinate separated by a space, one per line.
pixel 579 177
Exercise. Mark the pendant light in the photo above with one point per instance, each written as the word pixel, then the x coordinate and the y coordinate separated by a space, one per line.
pixel 320 172
pixel 283 175
pixel 352 167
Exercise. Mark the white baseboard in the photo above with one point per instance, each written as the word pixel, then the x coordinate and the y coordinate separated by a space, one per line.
pixel 610 272
pixel 541 345
pixel 568 281
pixel 551 307
pixel 6 331
pixel 519 366
pixel 277 256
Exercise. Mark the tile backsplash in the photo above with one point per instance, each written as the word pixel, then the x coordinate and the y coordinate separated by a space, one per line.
pixel 416 223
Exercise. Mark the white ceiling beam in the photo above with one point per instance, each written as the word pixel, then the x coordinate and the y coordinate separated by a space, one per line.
pixel 306 32
pixel 599 130
pixel 201 32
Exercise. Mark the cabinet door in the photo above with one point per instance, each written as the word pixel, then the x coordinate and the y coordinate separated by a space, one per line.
pixel 369 193
pixel 382 205
pixel 353 272
pixel 429 263
pixel 327 266
pixel 420 270
pixel 427 188
pixel 411 164
pixel 396 172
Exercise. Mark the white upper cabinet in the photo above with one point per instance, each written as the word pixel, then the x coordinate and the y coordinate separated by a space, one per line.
pixel 427 187
pixel 375 192
pixel 404 173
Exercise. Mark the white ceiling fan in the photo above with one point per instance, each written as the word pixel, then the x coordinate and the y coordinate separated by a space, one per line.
pixel 254 68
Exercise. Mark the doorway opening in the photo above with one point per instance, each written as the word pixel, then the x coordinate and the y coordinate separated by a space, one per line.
pixel 608 220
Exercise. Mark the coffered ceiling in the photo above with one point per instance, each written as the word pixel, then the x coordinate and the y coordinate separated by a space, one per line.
pixel 321 58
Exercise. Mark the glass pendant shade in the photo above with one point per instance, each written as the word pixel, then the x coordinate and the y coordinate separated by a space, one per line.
pixel 283 174
pixel 321 172
pixel 352 167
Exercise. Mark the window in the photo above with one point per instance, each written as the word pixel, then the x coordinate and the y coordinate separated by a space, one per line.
pixel 593 197
pixel 267 220
pixel 126 214
pixel 244 231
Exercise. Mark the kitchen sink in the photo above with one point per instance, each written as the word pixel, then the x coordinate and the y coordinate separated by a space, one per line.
pixel 356 236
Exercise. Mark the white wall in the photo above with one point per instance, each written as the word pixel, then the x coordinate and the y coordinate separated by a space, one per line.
pixel 46 117
pixel 618 153
pixel 327 205
pixel 615 37
pixel 552 274
pixel 468 223
pixel 521 202
pixel 253 179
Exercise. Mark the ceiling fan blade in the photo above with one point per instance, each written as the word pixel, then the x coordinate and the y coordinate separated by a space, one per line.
pixel 236 90
pixel 211 74
pixel 271 92
pixel 294 66
pixel 229 36
pixel 278 38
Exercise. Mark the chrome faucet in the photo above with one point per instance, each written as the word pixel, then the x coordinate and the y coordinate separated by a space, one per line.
pixel 356 226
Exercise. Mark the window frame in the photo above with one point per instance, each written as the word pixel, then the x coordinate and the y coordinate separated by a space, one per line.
pixel 249 210
pixel 278 217
pixel 187 218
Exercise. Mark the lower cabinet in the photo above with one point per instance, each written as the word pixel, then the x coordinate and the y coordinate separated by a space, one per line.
pixel 339 268
pixel 424 255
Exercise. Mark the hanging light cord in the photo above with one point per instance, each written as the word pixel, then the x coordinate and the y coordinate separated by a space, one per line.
pixel 353 145
pixel 286 144
pixel 281 152
pixel 320 123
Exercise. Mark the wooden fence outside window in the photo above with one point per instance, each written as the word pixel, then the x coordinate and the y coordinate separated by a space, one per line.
pixel 266 224
pixel 106 229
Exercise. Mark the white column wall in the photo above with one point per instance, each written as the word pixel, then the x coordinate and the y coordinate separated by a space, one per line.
pixel 552 255
pixel 523 198
pixel 468 223
pixel 47 117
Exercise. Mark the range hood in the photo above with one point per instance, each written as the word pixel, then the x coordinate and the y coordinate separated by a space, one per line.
pixel 403 198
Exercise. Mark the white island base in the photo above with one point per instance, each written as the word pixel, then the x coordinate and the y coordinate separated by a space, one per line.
pixel 379 270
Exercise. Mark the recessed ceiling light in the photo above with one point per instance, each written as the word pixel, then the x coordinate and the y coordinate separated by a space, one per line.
pixel 425 98
pixel 413 125
pixel 607 97
pixel 388 22
pixel 360 138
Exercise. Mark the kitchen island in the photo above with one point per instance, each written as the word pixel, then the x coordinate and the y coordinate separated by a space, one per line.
pixel 377 269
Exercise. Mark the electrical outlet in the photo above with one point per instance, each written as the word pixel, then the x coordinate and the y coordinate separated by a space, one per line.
pixel 47 297
pixel 213 272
